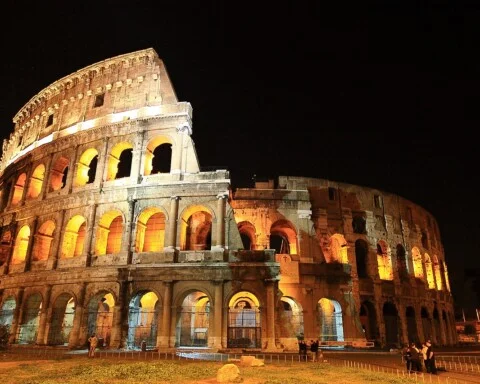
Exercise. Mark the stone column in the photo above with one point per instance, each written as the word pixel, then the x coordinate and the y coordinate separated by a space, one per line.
pixel 270 315
pixel 45 317
pixel 74 341
pixel 17 316
pixel 128 232
pixel 87 249
pixel 220 230
pixel 216 338
pixel 120 317
pixel 52 260
pixel 28 256
pixel 171 238
pixel 163 338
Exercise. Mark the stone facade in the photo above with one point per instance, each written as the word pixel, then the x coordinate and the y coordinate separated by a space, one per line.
pixel 109 226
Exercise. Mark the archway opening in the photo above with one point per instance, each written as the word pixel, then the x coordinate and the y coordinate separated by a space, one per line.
pixel 100 316
pixel 142 320
pixel 193 320
pixel 330 322
pixel 27 332
pixel 62 320
pixel 244 327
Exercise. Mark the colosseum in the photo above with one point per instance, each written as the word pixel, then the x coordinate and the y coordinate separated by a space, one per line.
pixel 110 226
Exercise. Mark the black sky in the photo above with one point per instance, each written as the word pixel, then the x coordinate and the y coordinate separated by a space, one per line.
pixel 380 95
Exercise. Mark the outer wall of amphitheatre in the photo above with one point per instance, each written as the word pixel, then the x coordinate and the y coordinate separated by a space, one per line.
pixel 109 225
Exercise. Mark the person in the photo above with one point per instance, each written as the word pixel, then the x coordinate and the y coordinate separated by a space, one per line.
pixel 303 350
pixel 415 355
pixel 314 350
pixel 432 368
pixel 423 352
pixel 93 342
pixel 407 357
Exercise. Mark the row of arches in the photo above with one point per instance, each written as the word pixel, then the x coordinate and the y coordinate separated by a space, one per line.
pixel 117 164
pixel 192 320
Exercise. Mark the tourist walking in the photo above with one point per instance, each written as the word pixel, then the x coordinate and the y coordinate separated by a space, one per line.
pixel 432 367
pixel 314 350
pixel 407 357
pixel 416 358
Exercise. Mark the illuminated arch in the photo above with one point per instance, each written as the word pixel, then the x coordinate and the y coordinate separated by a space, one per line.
pixel 193 320
pixel 7 311
pixel 196 228
pixel 86 167
pixel 158 156
pixel 417 263
pixel 291 318
pixel 100 316
pixel 43 241
pixel 18 189
pixel 330 322
pixel 283 237
pixel 244 326
pixel 437 272
pixel 429 271
pixel 338 250
pixel 62 319
pixel 384 260
pixel 59 173
pixel 109 233
pixel 142 320
pixel 74 237
pixel 150 231
pixel 30 320
pixel 21 245
pixel 247 234
pixel 36 182
pixel 116 163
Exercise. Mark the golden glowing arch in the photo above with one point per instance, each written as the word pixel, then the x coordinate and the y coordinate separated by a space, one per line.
pixel 152 144
pixel 36 182
pixel 109 233
pixel 21 245
pixel 83 167
pixel 150 235
pixel 43 241
pixel 74 237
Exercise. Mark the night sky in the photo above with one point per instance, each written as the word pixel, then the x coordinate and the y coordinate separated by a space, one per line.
pixel 384 96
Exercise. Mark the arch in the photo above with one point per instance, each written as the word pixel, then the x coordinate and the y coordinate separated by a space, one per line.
pixel 338 249
pixel 193 320
pixel 390 318
pixel 74 237
pixel 196 228
pixel 8 310
pixel 109 233
pixel 417 263
pixel 43 241
pixel 27 332
pixel 18 189
pixel 291 318
pixel 283 237
pixel 150 235
pixel 63 312
pixel 446 325
pixel 426 323
pixel 247 234
pixel 100 316
pixel 437 272
pixel 59 173
pixel 158 156
pixel 384 260
pixel 86 167
pixel 329 318
pixel 361 258
pixel 36 182
pixel 368 319
pixel 429 272
pixel 21 245
pixel 436 325
pixel 244 326
pixel 143 313
pixel 119 161
pixel 402 265
pixel 412 331
pixel 359 225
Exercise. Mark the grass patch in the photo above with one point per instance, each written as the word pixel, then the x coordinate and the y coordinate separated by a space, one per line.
pixel 82 370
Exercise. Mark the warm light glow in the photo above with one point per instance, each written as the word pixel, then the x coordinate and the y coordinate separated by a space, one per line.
pixel 58 174
pixel 438 273
pixel 36 182
pixel 338 250
pixel 83 166
pixel 417 263
pixel 152 144
pixel 18 189
pixel 74 237
pixel 429 271
pixel 21 245
pixel 109 233
pixel 114 159
pixel 447 281
pixel 196 222
pixel 43 241
pixel 150 231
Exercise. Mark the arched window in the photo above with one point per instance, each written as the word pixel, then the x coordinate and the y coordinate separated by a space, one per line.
pixel 59 173
pixel 21 245
pixel 18 189
pixel 36 182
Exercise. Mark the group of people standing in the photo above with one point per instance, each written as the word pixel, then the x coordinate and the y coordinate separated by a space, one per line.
pixel 312 346
pixel 417 358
